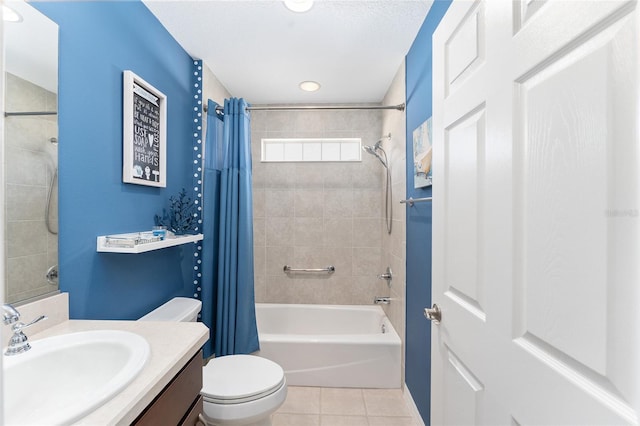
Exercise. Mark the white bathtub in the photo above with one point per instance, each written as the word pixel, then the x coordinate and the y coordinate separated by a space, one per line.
pixel 331 345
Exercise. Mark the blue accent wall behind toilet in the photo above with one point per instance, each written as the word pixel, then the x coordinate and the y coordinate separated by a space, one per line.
pixel 419 108
pixel 98 40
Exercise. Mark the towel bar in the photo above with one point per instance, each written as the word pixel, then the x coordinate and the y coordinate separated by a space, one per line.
pixel 411 201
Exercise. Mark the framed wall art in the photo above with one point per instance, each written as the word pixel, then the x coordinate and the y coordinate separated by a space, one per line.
pixel 144 146
pixel 422 155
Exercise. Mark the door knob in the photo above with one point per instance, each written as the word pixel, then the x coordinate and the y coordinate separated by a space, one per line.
pixel 433 314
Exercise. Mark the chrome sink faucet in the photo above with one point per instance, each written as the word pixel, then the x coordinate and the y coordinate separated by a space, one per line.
pixel 19 341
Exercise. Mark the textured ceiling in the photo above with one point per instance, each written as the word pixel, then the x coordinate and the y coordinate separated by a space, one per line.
pixel 261 51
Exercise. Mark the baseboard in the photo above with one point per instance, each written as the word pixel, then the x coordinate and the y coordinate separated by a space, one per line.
pixel 417 418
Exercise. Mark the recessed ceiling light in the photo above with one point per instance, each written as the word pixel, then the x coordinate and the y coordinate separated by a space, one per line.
pixel 309 86
pixel 298 5
pixel 10 15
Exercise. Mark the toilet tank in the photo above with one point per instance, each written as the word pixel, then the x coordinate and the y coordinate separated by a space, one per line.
pixel 178 309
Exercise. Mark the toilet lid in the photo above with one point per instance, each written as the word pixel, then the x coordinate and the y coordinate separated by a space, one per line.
pixel 240 378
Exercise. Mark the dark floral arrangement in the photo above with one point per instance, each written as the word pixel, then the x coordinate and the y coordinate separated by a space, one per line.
pixel 181 218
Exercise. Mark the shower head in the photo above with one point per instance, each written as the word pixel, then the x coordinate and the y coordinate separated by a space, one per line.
pixel 373 150
pixel 370 149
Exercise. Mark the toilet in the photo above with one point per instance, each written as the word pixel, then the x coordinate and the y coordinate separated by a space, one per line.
pixel 242 390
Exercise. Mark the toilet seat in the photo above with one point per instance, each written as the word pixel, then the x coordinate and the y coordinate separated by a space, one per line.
pixel 236 379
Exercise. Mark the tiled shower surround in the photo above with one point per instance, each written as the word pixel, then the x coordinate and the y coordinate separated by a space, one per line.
pixel 312 215
pixel 30 163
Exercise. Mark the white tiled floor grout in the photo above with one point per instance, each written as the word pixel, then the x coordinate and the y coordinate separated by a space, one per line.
pixel 343 407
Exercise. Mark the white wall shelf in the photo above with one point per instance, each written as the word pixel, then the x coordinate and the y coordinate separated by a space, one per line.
pixel 141 248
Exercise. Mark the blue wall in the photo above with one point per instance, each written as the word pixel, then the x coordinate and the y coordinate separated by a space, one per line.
pixel 419 108
pixel 98 40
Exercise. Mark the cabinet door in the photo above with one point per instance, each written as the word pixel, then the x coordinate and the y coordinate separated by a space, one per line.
pixel 177 399
pixel 193 417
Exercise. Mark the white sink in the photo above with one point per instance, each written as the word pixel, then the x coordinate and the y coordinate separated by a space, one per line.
pixel 63 378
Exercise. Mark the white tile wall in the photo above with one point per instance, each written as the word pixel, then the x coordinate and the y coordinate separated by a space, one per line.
pixel 313 215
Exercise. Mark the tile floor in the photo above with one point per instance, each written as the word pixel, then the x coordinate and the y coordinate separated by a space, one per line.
pixel 311 406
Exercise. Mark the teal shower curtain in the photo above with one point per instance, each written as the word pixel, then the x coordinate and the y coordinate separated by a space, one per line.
pixel 228 293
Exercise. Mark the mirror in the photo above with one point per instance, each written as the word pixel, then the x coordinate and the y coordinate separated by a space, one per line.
pixel 30 152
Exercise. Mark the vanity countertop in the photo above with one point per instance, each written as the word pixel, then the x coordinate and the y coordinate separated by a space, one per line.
pixel 172 345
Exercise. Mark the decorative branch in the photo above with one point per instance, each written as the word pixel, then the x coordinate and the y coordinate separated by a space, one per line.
pixel 181 218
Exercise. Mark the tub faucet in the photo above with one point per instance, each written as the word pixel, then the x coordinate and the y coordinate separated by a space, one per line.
pixel 381 300
pixel 19 341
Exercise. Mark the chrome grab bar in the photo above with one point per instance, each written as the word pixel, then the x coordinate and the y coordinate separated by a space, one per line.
pixel 328 269
pixel 411 201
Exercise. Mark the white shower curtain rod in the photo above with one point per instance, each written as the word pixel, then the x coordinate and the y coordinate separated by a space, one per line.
pixel 399 107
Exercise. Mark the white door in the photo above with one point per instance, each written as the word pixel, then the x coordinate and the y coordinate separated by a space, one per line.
pixel 536 252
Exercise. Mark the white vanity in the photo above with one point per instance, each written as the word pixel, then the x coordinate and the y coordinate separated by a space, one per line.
pixel 167 387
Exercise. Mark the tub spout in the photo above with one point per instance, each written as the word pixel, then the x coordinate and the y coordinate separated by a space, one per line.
pixel 381 300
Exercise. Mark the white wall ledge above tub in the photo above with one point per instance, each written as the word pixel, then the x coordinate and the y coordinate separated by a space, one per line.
pixel 150 246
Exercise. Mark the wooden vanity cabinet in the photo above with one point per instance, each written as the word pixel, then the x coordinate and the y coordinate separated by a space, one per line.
pixel 180 402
